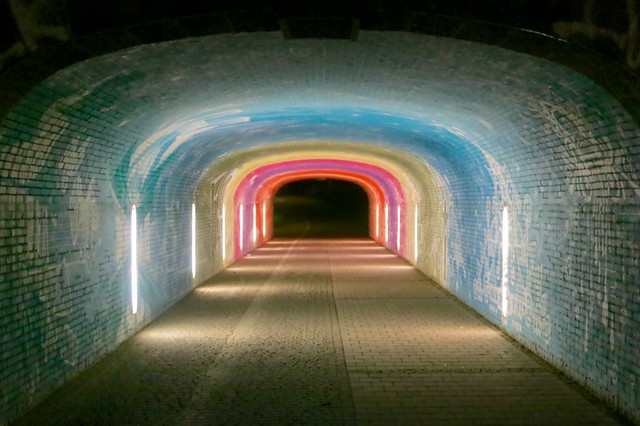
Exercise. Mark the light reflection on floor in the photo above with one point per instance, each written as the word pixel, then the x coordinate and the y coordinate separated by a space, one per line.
pixel 319 332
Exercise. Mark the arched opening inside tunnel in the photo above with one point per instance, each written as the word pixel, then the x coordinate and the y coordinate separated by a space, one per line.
pixel 321 208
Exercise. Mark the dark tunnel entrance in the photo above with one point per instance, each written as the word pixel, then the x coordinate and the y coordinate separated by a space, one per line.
pixel 321 208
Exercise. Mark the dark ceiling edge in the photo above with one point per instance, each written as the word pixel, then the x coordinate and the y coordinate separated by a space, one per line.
pixel 320 28
pixel 619 80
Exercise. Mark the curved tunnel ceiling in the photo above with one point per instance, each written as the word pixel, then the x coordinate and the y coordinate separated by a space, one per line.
pixel 479 117
pixel 467 130
pixel 459 106
pixel 423 94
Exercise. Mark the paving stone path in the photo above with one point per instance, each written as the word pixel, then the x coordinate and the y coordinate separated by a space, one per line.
pixel 325 332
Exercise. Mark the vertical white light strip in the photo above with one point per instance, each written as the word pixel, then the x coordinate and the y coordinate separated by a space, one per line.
pixel 255 223
pixel 134 260
pixel 415 234
pixel 398 230
pixel 193 240
pixel 224 232
pixel 264 220
pixel 241 225
pixel 505 259
pixel 377 220
pixel 386 223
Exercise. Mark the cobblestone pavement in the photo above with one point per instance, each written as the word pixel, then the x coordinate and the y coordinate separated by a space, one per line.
pixel 332 332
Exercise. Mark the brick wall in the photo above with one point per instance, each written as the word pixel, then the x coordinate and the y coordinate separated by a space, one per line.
pixel 143 126
pixel 64 253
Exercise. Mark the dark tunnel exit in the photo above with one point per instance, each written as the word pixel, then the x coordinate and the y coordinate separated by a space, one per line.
pixel 321 208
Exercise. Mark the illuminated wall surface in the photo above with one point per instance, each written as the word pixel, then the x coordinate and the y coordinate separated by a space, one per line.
pixel 453 130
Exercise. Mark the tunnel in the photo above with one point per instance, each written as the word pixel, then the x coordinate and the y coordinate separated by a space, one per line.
pixel 505 173
pixel 321 208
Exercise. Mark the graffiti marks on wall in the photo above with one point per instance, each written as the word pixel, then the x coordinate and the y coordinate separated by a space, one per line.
pixel 84 213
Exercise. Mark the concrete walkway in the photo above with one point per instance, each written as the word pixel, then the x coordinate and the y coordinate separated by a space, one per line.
pixel 331 332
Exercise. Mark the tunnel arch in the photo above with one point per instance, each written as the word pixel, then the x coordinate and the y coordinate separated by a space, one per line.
pixel 266 177
pixel 95 138
pixel 222 180
pixel 322 207
pixel 268 191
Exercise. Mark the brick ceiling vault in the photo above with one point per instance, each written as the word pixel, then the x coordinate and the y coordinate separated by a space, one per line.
pixel 465 129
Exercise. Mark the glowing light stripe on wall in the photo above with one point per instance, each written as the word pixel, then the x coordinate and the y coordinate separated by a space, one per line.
pixel 134 260
pixel 505 260
pixel 193 240
pixel 398 224
pixel 224 233
pixel 386 223
pixel 377 220
pixel 241 226
pixel 255 223
pixel 264 220
pixel 415 234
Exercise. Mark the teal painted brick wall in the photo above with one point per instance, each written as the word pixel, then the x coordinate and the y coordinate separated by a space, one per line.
pixel 64 227
pixel 503 129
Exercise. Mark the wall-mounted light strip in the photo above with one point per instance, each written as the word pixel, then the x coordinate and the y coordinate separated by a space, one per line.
pixel 264 220
pixel 134 260
pixel 193 240
pixel 386 223
pixel 241 225
pixel 377 220
pixel 255 223
pixel 415 233
pixel 224 232
pixel 398 230
pixel 505 259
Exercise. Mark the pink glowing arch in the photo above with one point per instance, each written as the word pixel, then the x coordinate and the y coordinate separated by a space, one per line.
pixel 253 209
